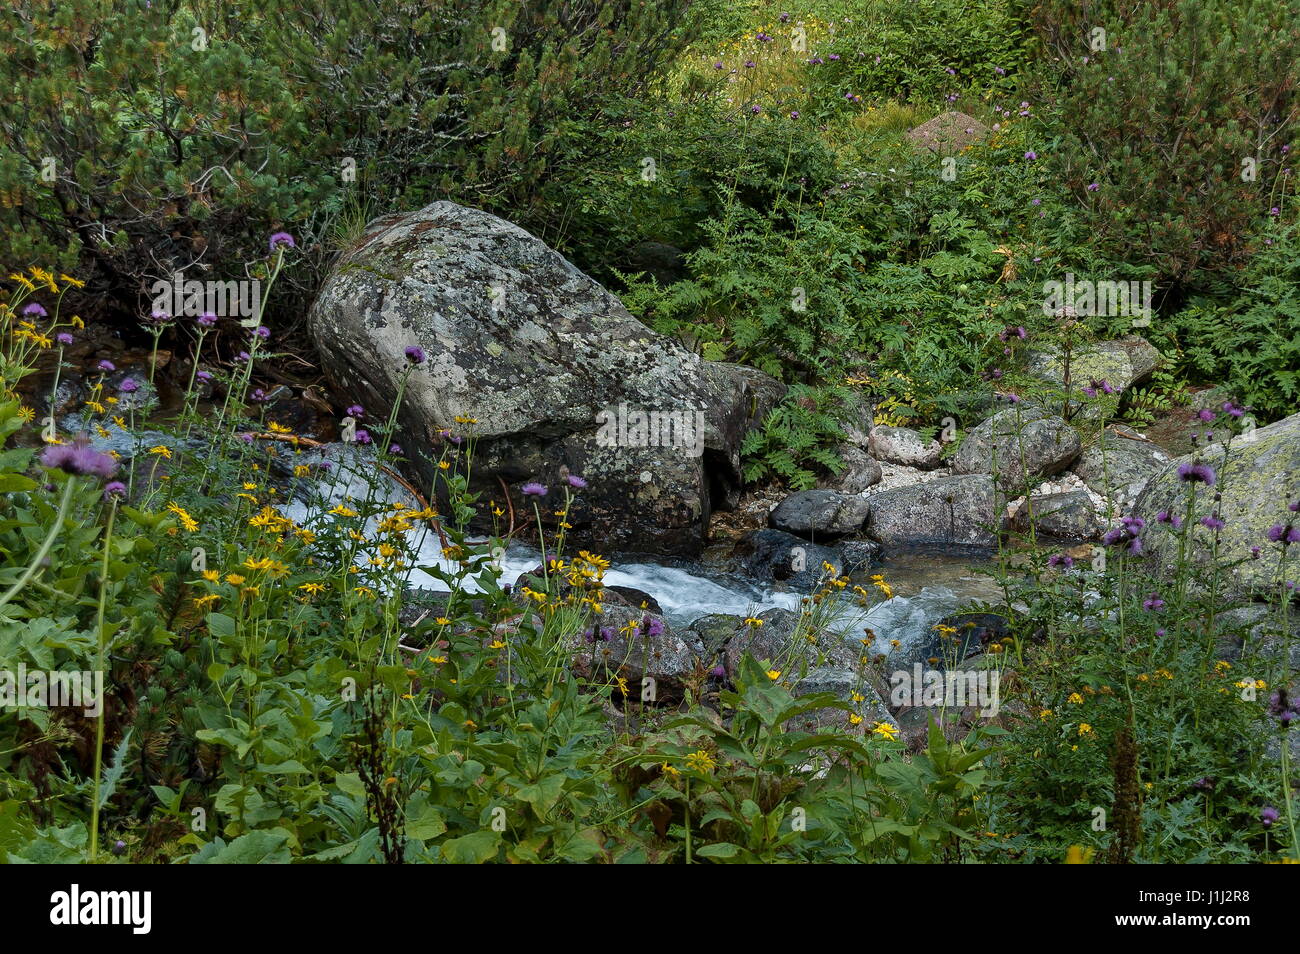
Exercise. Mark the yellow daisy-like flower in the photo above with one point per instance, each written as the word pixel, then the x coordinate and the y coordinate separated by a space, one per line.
pixel 496 644
pixel 885 730
pixel 669 770
pixel 1085 729
pixel 437 660
pixel 312 588
pixel 774 674
pixel 279 428
pixel 186 520
pixel 753 621
pixel 855 719
pixel 1075 698
pixel 700 761
pixel 161 451
pixel 342 511
pixel 212 576
pixel 234 579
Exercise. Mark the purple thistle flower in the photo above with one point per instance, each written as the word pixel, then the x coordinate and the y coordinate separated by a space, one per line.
pixel 206 320
pixel 1213 522
pixel 79 458
pixel 1276 533
pixel 1031 155
pixel 395 450
pixel 1268 815
pixel 718 672
pixel 35 310
pixel 355 410
pixel 1197 472
pixel 576 482
pixel 362 436
pixel 128 386
pixel 159 317
pixel 653 626
pixel 243 356
pixel 1205 414
pixel 1093 186
pixel 415 354
pixel 533 489
pixel 114 489
pixel 1061 559
pixel 1164 516
pixel 1232 410
pixel 258 396
pixel 1153 603
pixel 204 376
pixel 63 338
pixel 262 332
pixel 106 365
pixel 282 240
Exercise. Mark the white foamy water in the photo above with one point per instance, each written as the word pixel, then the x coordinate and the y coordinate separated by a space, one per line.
pixel 683 594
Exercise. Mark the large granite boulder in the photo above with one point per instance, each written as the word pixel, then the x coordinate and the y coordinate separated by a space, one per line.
pixel 1017 445
pixel 1258 478
pixel 1120 363
pixel 820 514
pixel 960 510
pixel 554 370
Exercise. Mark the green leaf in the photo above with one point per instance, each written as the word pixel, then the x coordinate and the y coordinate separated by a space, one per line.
pixel 473 849
pixel 264 847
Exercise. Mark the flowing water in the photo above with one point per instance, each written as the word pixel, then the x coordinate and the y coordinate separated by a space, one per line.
pixel 927 585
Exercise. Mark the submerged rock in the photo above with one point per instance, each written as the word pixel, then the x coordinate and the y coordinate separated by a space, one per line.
pixel 782 557
pixel 553 369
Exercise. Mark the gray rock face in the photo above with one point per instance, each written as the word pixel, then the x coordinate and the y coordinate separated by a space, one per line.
pixel 553 368
pixel 714 631
pixel 774 555
pixel 1258 478
pixel 820 514
pixel 860 472
pixel 1119 466
pixel 1068 516
pixel 961 510
pixel 668 657
pixel 1016 445
pixel 902 445
pixel 1120 363
pixel 786 647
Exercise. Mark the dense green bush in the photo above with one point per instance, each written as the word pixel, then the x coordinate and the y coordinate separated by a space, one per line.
pixel 179 134
pixel 1246 337
pixel 1154 128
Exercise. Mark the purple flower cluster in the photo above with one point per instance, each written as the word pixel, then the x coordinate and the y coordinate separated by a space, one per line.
pixel 1164 516
pixel 604 634
pixel 533 489
pixel 1126 535
pixel 1196 473
pixel 1283 708
pixel 415 354
pixel 1061 559
pixel 282 240
pixel 79 458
